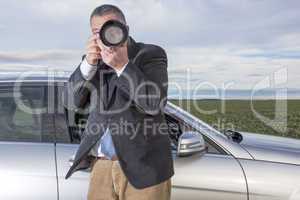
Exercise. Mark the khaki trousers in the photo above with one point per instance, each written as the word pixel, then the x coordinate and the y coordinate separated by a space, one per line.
pixel 108 182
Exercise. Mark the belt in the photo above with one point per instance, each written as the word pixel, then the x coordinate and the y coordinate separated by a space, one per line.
pixel 114 158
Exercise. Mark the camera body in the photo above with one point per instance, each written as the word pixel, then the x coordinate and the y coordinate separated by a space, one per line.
pixel 113 33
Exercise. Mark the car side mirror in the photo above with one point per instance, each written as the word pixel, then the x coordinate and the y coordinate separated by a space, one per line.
pixel 189 143
pixel 234 135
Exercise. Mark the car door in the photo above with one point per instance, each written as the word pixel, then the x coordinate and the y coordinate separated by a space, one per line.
pixel 211 176
pixel 214 175
pixel 75 187
pixel 27 159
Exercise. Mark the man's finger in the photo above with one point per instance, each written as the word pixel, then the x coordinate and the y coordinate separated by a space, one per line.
pixel 93 43
pixel 93 47
pixel 93 51
pixel 93 37
pixel 100 44
pixel 94 56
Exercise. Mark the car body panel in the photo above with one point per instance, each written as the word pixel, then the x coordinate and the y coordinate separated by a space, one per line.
pixel 76 187
pixel 272 148
pixel 27 171
pixel 211 176
pixel 272 181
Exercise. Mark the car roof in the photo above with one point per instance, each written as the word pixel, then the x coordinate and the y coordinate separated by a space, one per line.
pixel 35 76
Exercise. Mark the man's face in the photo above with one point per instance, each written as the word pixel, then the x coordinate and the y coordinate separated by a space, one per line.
pixel 97 23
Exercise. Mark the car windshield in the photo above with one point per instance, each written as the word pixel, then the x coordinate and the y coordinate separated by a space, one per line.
pixel 195 122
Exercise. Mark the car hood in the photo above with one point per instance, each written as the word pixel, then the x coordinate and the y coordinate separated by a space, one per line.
pixel 272 148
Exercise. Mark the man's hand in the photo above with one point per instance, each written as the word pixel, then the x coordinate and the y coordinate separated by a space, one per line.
pixel 93 52
pixel 115 57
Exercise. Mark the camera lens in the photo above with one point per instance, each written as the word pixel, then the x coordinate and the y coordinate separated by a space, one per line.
pixel 113 33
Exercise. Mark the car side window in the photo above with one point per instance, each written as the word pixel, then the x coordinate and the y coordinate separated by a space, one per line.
pixel 23 114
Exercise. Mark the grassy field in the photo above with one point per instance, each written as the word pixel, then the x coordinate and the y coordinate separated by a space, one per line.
pixel 238 115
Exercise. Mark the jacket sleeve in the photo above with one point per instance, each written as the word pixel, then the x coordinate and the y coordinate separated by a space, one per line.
pixel 146 85
pixel 78 90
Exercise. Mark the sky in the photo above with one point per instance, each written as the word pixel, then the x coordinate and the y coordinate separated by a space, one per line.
pixel 210 43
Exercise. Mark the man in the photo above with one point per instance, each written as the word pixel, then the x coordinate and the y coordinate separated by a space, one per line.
pixel 125 139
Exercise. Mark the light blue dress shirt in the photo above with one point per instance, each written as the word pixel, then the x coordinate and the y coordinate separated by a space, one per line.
pixel 106 146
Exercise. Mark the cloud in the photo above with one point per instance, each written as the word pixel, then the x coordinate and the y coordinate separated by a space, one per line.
pixel 61 59
pixel 221 66
pixel 47 55
pixel 13 68
pixel 214 41
pixel 260 24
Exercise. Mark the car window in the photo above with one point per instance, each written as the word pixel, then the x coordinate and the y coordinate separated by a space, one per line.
pixel 23 114
pixel 62 132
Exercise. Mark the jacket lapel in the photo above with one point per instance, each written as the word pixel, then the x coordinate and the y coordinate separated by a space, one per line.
pixel 102 84
pixel 112 88
pixel 132 50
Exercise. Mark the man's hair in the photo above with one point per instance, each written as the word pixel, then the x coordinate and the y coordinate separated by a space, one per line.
pixel 106 9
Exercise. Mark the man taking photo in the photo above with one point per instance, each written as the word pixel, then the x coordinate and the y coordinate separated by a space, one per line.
pixel 125 140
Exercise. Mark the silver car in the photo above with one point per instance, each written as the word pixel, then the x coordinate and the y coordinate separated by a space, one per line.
pixel 38 138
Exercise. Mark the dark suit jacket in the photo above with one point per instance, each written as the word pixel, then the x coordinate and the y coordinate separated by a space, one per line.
pixel 136 121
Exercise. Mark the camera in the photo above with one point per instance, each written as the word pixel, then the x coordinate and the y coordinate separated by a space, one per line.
pixel 113 33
